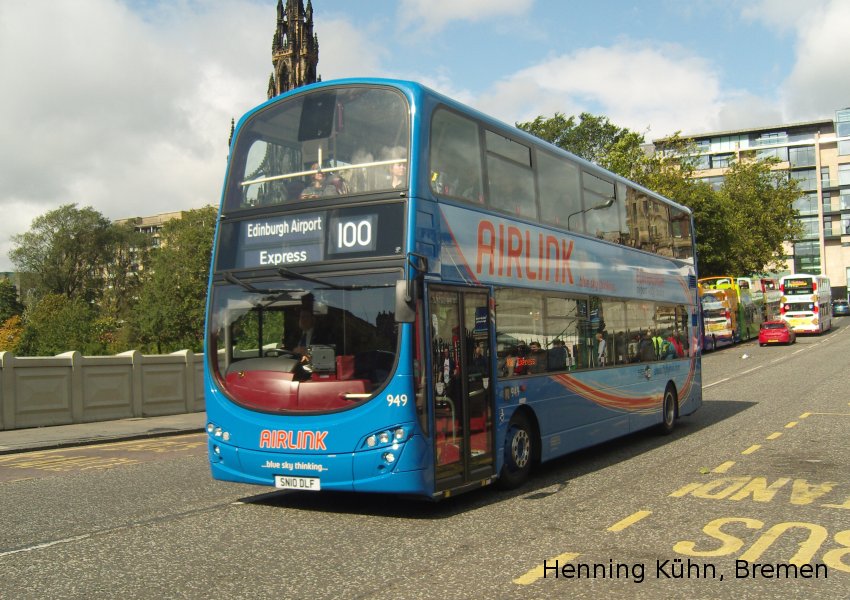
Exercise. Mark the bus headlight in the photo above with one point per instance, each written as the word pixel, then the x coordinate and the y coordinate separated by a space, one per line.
pixel 391 437
pixel 389 458
pixel 216 431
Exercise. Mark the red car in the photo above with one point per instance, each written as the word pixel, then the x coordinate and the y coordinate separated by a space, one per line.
pixel 776 332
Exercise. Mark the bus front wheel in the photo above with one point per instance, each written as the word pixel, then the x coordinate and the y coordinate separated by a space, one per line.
pixel 519 450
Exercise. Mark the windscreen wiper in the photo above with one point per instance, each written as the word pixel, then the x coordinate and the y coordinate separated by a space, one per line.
pixel 231 278
pixel 289 274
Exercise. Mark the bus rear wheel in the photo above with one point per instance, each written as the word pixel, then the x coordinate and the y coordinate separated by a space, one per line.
pixel 668 411
pixel 519 450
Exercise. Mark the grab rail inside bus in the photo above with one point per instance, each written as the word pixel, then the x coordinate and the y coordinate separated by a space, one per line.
pixel 336 169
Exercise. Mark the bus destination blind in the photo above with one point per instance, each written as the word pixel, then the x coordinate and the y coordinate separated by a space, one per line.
pixel 290 240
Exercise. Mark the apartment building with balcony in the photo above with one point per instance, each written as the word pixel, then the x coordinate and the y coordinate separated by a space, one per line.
pixel 817 155
pixel 151 225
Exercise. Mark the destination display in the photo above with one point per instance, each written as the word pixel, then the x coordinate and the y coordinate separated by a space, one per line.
pixel 310 237
pixel 798 286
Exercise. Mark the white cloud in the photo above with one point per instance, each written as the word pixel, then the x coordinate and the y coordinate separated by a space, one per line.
pixel 127 113
pixel 816 85
pixel 640 86
pixel 818 82
pixel 430 16
pixel 784 15
pixel 742 110
pixel 662 88
pixel 349 51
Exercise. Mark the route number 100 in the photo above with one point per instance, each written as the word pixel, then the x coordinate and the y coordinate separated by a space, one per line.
pixel 350 234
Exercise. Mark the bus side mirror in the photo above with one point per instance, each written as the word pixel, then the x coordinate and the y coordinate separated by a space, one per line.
pixel 405 301
pixel 407 290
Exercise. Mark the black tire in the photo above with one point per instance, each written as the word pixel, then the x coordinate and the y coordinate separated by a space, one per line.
pixel 519 452
pixel 669 411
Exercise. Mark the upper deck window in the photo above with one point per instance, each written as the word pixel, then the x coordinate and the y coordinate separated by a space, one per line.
pixel 560 189
pixel 455 157
pixel 509 176
pixel 601 215
pixel 331 142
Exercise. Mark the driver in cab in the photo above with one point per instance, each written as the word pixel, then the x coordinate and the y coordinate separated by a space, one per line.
pixel 308 333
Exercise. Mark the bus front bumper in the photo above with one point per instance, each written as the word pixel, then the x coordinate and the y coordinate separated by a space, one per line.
pixel 399 468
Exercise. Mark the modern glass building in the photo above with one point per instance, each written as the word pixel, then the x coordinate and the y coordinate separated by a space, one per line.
pixel 817 155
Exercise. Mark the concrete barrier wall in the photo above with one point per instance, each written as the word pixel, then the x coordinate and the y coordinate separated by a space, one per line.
pixel 72 388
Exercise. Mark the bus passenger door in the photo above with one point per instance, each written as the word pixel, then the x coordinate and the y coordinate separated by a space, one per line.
pixel 461 383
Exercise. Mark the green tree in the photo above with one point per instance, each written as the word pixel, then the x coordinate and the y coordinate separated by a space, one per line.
pixel 10 305
pixel 127 250
pixel 64 252
pixel 590 137
pixel 56 324
pixel 761 204
pixel 170 314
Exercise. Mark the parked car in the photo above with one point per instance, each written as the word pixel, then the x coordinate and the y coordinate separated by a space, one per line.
pixel 840 308
pixel 776 332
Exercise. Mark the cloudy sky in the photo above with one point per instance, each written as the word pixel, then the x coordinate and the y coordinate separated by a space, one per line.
pixel 125 105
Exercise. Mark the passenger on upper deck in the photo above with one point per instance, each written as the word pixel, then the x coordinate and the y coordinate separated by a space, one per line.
pixel 397 171
pixel 320 185
pixel 398 175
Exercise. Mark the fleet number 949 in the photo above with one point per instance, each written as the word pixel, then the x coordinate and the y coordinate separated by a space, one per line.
pixel 397 399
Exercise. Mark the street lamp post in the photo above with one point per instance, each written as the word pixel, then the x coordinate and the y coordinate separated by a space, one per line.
pixel 605 204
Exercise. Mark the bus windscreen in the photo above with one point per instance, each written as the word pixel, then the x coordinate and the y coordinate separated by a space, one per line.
pixel 326 144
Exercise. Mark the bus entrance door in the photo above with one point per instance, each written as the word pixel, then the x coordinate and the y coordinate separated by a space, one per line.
pixel 462 402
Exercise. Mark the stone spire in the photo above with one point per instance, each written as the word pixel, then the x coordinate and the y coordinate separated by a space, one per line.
pixel 295 48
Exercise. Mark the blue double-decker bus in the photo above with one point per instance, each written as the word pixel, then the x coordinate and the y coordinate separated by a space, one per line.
pixel 408 296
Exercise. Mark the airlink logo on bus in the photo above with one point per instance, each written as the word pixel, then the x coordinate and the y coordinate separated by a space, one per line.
pixel 293 440
pixel 506 251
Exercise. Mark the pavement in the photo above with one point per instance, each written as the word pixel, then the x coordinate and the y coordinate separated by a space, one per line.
pixel 79 434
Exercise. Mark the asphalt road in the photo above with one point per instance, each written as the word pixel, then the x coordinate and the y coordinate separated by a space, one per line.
pixel 760 475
